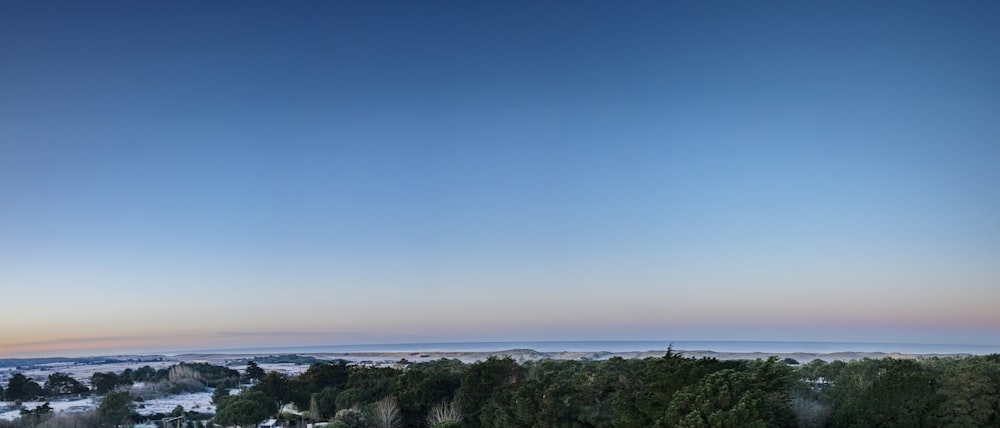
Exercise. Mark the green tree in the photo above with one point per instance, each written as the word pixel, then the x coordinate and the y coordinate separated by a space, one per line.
pixel 351 397
pixel 219 394
pixel 116 409
pixel 727 398
pixel 209 374
pixel 482 380
pixel 971 392
pixel 647 387
pixel 127 376
pixel 775 379
pixel 32 390
pixel 15 387
pixel 316 378
pixel 104 382
pixel 20 387
pixel 275 386
pixel 254 372
pixel 326 403
pixel 144 373
pixel 901 393
pixel 246 409
pixel 322 375
pixel 423 385
pixel 62 384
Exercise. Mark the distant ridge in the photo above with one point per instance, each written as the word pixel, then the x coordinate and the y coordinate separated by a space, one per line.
pixel 619 346
pixel 17 362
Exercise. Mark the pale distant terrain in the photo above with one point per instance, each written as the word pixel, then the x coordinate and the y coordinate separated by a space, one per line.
pixel 530 355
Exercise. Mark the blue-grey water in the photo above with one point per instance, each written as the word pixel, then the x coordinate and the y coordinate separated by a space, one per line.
pixel 627 346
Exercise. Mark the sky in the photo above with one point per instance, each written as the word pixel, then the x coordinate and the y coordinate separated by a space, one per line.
pixel 191 175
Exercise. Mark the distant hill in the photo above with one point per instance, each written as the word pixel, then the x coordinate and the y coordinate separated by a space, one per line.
pixel 18 362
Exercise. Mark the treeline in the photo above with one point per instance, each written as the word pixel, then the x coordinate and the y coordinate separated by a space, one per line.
pixel 22 388
pixel 935 392
pixel 499 392
pixel 119 393
pixel 34 363
pixel 183 377
pixel 668 391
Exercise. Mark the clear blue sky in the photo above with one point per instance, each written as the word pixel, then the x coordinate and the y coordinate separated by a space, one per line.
pixel 180 173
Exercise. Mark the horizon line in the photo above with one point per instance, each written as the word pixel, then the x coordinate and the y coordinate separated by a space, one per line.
pixel 414 347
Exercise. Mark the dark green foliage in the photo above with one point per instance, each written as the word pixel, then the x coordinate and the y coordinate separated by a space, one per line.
pixel 971 393
pixel 104 382
pixel 247 408
pixel 365 385
pixel 127 375
pixel 116 408
pixel 316 378
pixel 908 393
pixel 213 375
pixel 160 375
pixel 422 385
pixel 754 394
pixel 722 398
pixel 669 391
pixel 650 384
pixel 552 393
pixel 143 374
pixel 62 384
pixel 254 372
pixel 20 387
pixel 32 390
pixel 483 380
pixel 275 386
pixel 323 375
pixel 219 394
pixel 352 397
pixel 326 403
pixel 903 395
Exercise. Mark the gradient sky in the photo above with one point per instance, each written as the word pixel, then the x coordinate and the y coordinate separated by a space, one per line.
pixel 184 175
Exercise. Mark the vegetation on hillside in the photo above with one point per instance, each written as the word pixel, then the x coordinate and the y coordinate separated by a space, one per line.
pixel 668 391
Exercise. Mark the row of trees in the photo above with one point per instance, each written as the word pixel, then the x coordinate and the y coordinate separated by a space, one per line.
pixel 670 391
pixel 937 392
pixel 500 392
pixel 21 387
pixel 118 393
pixel 196 375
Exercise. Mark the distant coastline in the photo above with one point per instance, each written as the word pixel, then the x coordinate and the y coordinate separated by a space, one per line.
pixel 383 358
pixel 801 351
pixel 619 347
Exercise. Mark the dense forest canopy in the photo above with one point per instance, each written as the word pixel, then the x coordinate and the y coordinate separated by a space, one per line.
pixel 668 391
